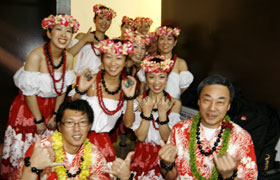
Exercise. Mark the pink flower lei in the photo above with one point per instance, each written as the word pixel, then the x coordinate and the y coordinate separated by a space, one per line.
pixel 104 11
pixel 149 66
pixel 132 36
pixel 129 21
pixel 109 46
pixel 168 31
pixel 63 19
pixel 140 20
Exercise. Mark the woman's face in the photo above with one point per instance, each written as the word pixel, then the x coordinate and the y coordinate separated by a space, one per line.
pixel 102 23
pixel 60 36
pixel 113 63
pixel 125 27
pixel 166 43
pixel 138 53
pixel 156 81
pixel 144 28
pixel 153 46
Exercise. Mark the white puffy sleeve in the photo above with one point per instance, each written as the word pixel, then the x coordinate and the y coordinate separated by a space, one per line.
pixel 72 43
pixel 27 81
pixel 186 78
pixel 174 118
pixel 137 121
pixel 141 76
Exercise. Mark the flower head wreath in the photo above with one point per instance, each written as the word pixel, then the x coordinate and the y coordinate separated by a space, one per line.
pixel 104 11
pixel 150 64
pixel 152 35
pixel 129 21
pixel 132 36
pixel 168 31
pixel 63 19
pixel 140 20
pixel 110 46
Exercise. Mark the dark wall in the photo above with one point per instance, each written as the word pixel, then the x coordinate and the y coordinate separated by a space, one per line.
pixel 20 22
pixel 236 38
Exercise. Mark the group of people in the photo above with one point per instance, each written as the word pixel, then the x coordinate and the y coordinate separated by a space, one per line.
pixel 135 78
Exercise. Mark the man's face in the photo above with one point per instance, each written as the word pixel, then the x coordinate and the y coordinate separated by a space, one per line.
pixel 73 137
pixel 214 102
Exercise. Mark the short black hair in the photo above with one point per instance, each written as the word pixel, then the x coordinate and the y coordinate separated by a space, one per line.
pixel 216 79
pixel 78 105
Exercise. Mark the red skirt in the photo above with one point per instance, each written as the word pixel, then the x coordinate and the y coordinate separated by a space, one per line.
pixel 20 131
pixel 145 162
pixel 104 143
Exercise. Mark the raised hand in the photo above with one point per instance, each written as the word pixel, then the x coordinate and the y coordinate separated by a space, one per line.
pixel 164 105
pixel 88 37
pixel 167 153
pixel 121 168
pixel 225 164
pixel 86 80
pixel 147 105
pixel 43 157
pixel 129 86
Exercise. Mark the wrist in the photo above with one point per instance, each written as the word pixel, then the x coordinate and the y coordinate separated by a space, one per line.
pixel 39 121
pixel 148 117
pixel 166 121
pixel 27 163
pixel 80 92
pixel 228 177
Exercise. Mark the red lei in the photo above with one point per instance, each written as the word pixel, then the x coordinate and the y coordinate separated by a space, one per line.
pixel 51 70
pixel 100 97
pixel 167 96
pixel 93 49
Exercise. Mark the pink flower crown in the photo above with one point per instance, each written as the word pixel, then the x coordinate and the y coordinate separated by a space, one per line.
pixel 152 35
pixel 129 21
pixel 132 36
pixel 168 31
pixel 63 19
pixel 149 66
pixel 140 20
pixel 109 46
pixel 104 11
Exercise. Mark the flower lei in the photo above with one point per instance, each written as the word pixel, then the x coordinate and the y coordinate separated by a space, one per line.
pixel 129 21
pixel 168 31
pixel 104 11
pixel 60 157
pixel 140 20
pixel 132 36
pixel 109 46
pixel 226 138
pixel 62 19
pixel 151 66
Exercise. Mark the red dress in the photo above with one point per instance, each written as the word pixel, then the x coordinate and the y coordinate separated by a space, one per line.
pixel 20 129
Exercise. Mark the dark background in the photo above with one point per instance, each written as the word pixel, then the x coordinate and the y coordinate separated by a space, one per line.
pixel 236 38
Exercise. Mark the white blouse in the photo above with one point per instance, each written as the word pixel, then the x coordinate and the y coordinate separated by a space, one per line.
pixel 153 135
pixel 86 58
pixel 174 83
pixel 41 84
pixel 103 122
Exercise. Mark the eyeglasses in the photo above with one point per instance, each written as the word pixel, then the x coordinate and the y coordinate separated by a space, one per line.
pixel 71 124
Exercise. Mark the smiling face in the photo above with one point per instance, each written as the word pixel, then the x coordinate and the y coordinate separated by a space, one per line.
pixel 102 23
pixel 60 36
pixel 166 44
pixel 144 28
pixel 214 102
pixel 73 137
pixel 113 63
pixel 138 53
pixel 156 81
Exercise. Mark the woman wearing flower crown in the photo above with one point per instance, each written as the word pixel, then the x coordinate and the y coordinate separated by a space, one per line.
pixel 143 24
pixel 106 93
pixel 127 25
pixel 180 77
pixel 84 44
pixel 42 81
pixel 157 113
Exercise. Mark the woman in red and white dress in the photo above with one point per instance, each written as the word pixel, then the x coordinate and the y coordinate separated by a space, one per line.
pixel 84 44
pixel 157 113
pixel 106 93
pixel 42 82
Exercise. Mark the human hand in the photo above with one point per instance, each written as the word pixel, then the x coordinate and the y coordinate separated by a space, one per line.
pixel 129 86
pixel 86 80
pixel 40 128
pixel 121 168
pixel 43 157
pixel 147 105
pixel 52 124
pixel 225 164
pixel 167 153
pixel 88 37
pixel 164 105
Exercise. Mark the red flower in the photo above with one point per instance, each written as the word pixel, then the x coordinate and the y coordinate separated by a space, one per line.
pixel 228 125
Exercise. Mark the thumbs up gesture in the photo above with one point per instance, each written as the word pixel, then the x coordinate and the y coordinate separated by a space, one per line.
pixel 43 157
pixel 167 153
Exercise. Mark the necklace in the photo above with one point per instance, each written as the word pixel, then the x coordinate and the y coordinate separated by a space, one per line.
pixel 192 146
pixel 104 84
pixel 215 144
pixel 92 44
pixel 51 68
pixel 100 97
pixel 85 160
pixel 166 95
pixel 50 59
